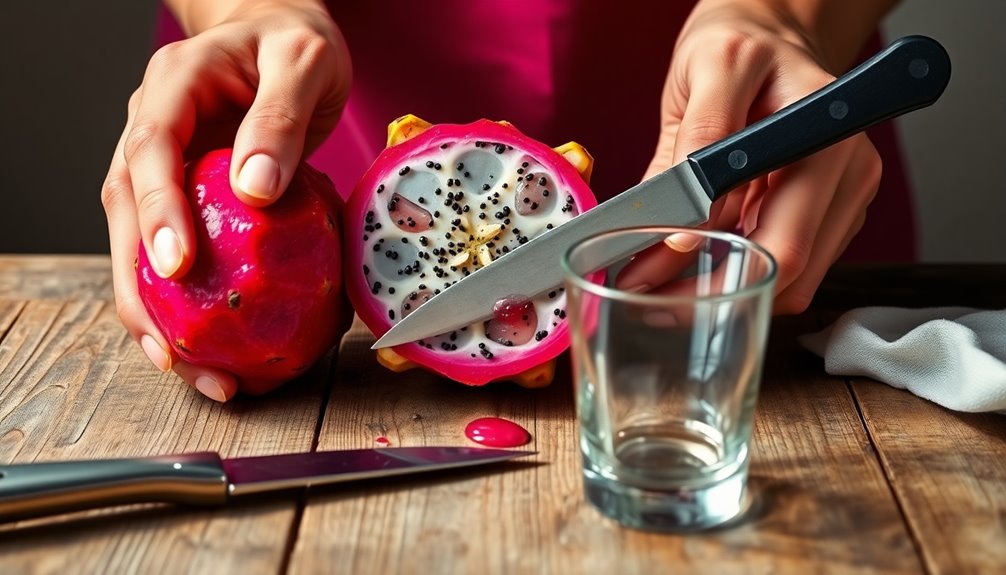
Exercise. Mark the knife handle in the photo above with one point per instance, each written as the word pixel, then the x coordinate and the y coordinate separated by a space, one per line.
pixel 38 489
pixel 909 74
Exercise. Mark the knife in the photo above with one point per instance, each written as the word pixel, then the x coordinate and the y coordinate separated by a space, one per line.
pixel 204 479
pixel 909 74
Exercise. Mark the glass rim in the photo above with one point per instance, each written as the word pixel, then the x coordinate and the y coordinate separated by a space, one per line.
pixel 586 285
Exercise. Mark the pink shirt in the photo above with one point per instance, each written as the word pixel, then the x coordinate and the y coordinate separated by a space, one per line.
pixel 559 70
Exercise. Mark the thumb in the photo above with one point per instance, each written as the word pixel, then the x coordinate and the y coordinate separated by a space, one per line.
pixel 271 139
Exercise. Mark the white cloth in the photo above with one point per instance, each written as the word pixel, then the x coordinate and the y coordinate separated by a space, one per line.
pixel 953 356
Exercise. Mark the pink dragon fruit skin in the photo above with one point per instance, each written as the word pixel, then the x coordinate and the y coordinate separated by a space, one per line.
pixel 410 235
pixel 264 298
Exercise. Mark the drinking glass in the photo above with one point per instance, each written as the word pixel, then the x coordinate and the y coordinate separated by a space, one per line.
pixel 668 330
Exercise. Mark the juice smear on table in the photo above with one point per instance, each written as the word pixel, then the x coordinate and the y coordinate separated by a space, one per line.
pixel 496 432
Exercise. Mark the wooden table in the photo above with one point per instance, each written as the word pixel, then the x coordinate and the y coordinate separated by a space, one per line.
pixel 851 475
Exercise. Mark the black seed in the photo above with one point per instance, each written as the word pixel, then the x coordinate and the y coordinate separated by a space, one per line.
pixel 461 166
pixel 380 188
pixel 436 166
pixel 542 181
pixel 391 314
pixel 422 200
pixel 486 186
pixel 429 163
pixel 467 175
pixel 366 270
pixel 500 148
pixel 506 186
pixel 404 171
pixel 534 205
pixel 520 170
pixel 544 193
pixel 551 294
pixel 549 226
pixel 391 289
pixel 437 192
pixel 443 146
pixel 540 335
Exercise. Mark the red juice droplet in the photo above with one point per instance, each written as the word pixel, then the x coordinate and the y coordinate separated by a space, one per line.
pixel 382 440
pixel 511 308
pixel 497 432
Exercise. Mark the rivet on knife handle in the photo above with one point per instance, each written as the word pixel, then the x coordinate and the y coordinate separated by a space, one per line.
pixel 910 74
pixel 37 489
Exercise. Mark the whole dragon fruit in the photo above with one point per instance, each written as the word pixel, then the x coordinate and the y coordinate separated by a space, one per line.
pixel 442 201
pixel 264 297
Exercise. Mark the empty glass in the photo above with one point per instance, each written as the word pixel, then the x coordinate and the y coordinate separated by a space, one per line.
pixel 668 336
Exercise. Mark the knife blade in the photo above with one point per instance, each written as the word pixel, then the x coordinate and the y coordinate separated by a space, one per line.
pixel 909 74
pixel 204 479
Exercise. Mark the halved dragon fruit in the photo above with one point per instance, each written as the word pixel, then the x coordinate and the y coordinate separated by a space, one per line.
pixel 264 297
pixel 442 201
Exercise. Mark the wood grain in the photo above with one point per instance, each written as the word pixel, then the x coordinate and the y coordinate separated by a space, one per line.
pixel 55 277
pixel 851 477
pixel 947 470
pixel 824 503
pixel 74 385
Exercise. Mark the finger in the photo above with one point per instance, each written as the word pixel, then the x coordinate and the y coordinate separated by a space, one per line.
pixel 270 141
pixel 722 85
pixel 153 148
pixel 117 198
pixel 214 383
pixel 657 265
pixel 856 189
pixel 794 208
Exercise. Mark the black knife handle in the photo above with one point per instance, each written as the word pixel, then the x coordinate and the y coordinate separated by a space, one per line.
pixel 909 74
pixel 38 489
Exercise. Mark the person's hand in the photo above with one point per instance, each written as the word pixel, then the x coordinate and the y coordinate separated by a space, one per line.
pixel 737 61
pixel 270 80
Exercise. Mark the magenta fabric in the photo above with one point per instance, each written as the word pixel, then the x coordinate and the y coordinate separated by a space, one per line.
pixel 559 70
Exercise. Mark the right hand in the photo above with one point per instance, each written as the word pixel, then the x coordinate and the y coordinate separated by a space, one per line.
pixel 270 81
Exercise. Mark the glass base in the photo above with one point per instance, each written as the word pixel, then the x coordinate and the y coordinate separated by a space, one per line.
pixel 691 508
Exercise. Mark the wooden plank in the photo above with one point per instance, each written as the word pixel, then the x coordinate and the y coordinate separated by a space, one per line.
pixel 57 277
pixel 74 385
pixel 948 471
pixel 824 503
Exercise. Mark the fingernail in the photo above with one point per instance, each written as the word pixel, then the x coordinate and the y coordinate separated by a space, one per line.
pixel 167 252
pixel 155 353
pixel 639 288
pixel 259 177
pixel 210 388
pixel 683 242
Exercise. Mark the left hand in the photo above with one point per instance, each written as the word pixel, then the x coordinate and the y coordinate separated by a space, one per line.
pixel 735 62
